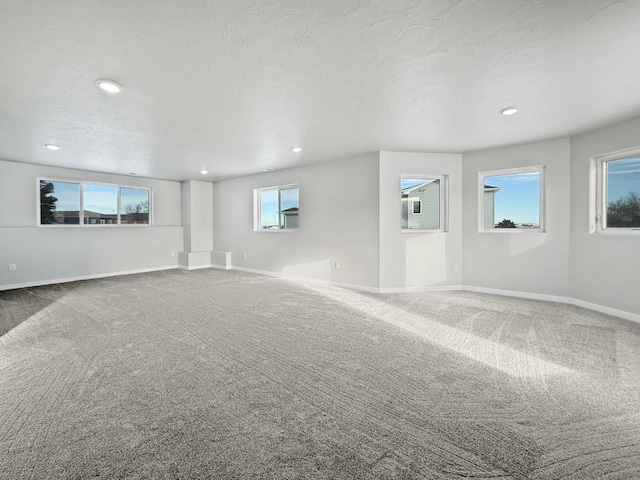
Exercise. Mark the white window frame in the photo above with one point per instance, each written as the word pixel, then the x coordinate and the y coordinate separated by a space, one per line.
pixel 133 187
pixel 540 169
pixel 413 207
pixel 598 193
pixel 257 210
pixel 444 201
pixel 82 183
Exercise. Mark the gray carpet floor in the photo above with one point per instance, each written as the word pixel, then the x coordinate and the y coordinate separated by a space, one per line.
pixel 223 374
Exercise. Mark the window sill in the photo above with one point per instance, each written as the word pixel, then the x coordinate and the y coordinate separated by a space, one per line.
pixel 622 232
pixel 517 231
pixel 76 225
pixel 422 230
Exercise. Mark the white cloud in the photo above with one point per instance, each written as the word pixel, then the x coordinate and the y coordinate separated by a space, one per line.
pixel 618 172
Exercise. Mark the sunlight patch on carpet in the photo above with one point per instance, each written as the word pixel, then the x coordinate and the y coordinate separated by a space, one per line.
pixel 500 357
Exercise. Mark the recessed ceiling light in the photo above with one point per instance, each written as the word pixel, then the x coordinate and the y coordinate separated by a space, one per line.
pixel 109 86
pixel 296 149
pixel 509 110
pixel 204 172
pixel 132 173
pixel 268 170
pixel 51 146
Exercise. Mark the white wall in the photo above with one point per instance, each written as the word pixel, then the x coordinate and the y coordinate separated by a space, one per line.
pixel 338 223
pixel 536 263
pixel 350 213
pixel 418 260
pixel 605 269
pixel 51 254
pixel 185 213
pixel 197 215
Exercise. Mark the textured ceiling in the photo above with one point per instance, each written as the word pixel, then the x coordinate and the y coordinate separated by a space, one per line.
pixel 232 85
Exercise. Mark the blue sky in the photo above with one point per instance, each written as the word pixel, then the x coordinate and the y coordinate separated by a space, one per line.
pixel 411 182
pixel 518 198
pixel 97 198
pixel 68 195
pixel 269 204
pixel 132 196
pixel 623 176
pixel 101 199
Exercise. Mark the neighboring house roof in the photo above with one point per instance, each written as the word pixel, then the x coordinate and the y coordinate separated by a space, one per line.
pixel 408 190
pixel 291 211
pixel 489 188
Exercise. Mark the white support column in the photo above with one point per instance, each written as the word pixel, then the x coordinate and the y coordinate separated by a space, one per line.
pixel 197 221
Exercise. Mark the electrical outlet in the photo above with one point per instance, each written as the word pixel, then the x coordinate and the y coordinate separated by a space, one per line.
pixel 173 254
pixel 244 255
pixel 337 265
pixel 455 268
pixel 12 267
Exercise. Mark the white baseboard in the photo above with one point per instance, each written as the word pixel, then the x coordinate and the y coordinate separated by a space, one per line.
pixel 452 288
pixel 440 288
pixel 352 286
pixel 553 298
pixel 221 267
pixel 298 278
pixel 606 310
pixel 53 281
pixel 194 267
pixel 518 294
pixel 436 288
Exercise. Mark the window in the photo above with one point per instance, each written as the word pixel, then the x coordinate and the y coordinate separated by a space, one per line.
pixel 618 192
pixel 100 205
pixel 277 208
pixel 134 206
pixel 511 200
pixel 422 199
pixel 76 203
pixel 59 203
